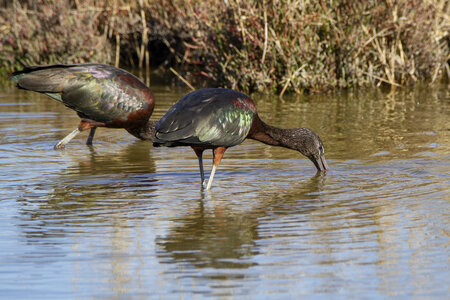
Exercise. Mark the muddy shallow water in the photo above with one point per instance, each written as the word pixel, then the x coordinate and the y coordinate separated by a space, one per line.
pixel 122 219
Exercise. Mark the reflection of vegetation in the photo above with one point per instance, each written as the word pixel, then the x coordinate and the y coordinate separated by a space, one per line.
pixel 249 45
pixel 96 190
pixel 398 124
pixel 359 123
pixel 134 159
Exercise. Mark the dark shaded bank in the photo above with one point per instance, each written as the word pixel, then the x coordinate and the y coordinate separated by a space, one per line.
pixel 269 46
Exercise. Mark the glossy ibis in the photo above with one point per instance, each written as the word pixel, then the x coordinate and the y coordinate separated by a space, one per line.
pixel 102 96
pixel 221 118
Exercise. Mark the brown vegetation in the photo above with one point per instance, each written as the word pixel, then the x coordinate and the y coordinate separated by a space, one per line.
pixel 252 45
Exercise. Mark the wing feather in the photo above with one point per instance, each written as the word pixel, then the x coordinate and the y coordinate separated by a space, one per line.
pixel 96 91
pixel 206 117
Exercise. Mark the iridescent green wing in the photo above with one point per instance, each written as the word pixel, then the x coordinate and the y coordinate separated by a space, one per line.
pixel 209 117
pixel 105 93
pixel 227 125
pixel 96 91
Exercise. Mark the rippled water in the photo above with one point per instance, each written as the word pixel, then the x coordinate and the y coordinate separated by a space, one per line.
pixel 125 220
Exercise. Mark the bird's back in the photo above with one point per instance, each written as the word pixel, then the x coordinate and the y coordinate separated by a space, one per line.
pixel 207 117
pixel 99 92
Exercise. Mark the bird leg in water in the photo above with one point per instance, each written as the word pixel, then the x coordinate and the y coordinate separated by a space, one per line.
pixel 199 153
pixel 91 136
pixel 217 157
pixel 67 139
pixel 85 124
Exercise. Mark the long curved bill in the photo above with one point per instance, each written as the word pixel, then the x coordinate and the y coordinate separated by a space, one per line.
pixel 321 163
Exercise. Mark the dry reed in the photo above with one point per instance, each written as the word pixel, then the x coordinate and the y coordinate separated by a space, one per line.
pixel 271 45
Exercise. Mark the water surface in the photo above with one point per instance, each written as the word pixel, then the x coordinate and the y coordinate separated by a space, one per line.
pixel 122 219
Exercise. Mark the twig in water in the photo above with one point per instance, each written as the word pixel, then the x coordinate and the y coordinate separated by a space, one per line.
pixel 182 79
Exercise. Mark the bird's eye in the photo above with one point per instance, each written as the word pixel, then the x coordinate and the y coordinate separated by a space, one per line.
pixel 321 151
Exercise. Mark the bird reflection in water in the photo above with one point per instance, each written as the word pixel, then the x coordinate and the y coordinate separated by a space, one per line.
pixel 220 233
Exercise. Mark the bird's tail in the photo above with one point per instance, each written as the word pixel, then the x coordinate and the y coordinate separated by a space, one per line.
pixel 43 79
pixel 159 142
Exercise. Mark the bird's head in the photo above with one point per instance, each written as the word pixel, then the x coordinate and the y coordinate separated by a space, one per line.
pixel 308 143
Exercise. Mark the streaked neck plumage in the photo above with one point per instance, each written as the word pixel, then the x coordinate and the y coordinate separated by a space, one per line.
pixel 146 132
pixel 266 133
pixel 294 138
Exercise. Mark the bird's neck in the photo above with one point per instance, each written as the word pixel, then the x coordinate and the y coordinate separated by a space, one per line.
pixel 270 135
pixel 146 132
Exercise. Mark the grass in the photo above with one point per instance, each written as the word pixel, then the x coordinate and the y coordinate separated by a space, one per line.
pixel 268 46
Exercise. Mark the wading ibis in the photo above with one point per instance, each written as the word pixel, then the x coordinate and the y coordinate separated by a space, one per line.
pixel 217 119
pixel 102 96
